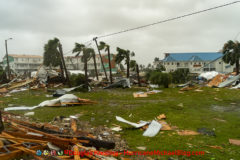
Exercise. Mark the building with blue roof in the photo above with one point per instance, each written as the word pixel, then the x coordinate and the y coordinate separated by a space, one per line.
pixel 196 62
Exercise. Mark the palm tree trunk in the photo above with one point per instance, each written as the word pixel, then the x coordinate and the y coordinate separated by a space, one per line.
pixel 85 69
pixel 110 67
pixel 128 67
pixel 62 72
pixel 101 58
pixel 138 77
pixel 63 63
pixel 95 65
pixel 237 67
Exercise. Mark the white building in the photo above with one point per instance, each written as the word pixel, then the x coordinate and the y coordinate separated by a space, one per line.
pixel 196 62
pixel 75 63
pixel 21 64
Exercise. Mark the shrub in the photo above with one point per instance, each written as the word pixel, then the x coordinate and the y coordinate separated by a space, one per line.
pixel 160 78
pixel 180 76
pixel 77 80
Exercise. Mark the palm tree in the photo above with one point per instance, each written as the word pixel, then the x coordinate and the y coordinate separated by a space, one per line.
pixel 156 59
pixel 231 51
pixel 51 55
pixel 124 54
pixel 87 54
pixel 134 66
pixel 102 46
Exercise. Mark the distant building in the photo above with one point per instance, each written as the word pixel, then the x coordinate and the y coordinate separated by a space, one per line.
pixel 75 63
pixel 21 64
pixel 196 62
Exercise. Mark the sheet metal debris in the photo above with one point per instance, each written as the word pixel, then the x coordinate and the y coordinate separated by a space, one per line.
pixel 229 81
pixel 152 129
pixel 122 83
pixel 136 125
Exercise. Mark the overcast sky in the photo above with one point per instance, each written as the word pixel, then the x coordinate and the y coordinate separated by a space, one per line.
pixel 31 23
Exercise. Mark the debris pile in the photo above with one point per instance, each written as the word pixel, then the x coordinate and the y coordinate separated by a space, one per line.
pixel 22 137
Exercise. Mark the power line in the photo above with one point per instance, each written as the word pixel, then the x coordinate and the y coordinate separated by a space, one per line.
pixel 88 43
pixel 167 20
pixel 159 22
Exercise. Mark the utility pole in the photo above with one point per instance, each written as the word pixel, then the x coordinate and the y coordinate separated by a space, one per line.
pixel 9 71
pixel 138 77
pixel 109 62
pixel 63 63
pixel 95 65
pixel 95 39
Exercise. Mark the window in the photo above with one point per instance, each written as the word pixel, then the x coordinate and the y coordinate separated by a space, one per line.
pixel 220 62
pixel 172 64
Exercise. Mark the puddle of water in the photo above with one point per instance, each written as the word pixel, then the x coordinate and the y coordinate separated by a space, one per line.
pixel 226 108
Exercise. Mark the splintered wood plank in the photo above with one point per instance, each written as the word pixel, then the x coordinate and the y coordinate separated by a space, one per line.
pixel 76 156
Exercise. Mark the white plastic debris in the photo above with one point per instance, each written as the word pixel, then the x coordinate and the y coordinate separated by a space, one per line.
pixel 34 134
pixel 154 91
pixel 53 147
pixel 76 72
pixel 141 148
pixel 71 89
pixel 20 108
pixel 29 114
pixel 152 129
pixel 209 75
pixel 18 90
pixel 136 125
pixel 73 117
pixel 116 129
pixel 236 87
pixel 154 85
pixel 63 99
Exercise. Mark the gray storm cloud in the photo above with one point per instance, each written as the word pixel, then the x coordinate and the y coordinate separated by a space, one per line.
pixel 33 22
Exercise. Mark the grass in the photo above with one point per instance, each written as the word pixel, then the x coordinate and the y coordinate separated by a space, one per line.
pixel 199 110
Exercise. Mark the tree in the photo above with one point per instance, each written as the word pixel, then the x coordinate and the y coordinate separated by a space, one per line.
pixel 160 78
pixel 134 66
pixel 149 66
pixel 87 54
pixel 102 46
pixel 180 75
pixel 124 55
pixel 156 59
pixel 231 51
pixel 53 56
pixel 160 67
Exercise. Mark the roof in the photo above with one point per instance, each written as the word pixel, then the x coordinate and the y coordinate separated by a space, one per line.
pixel 194 56
pixel 24 56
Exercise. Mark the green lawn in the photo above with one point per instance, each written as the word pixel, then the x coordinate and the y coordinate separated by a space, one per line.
pixel 199 110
